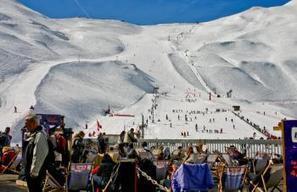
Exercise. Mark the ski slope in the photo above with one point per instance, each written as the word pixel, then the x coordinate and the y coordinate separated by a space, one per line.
pixel 78 67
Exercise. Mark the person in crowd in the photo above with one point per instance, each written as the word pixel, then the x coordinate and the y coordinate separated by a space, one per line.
pixel 78 147
pixel 201 149
pixel 5 138
pixel 97 160
pixel 122 137
pixel 122 151
pixel 130 137
pixel 166 153
pixel 59 144
pixel 190 156
pixel 145 153
pixel 178 154
pixel 113 154
pixel 137 134
pixel 158 153
pixel 35 155
pixel 17 148
pixel 131 152
pixel 235 154
pixel 102 173
pixel 172 167
pixel 254 135
pixel 202 153
pixel 9 137
pixel 101 142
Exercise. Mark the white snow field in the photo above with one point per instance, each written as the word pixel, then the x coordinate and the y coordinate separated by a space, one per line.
pixel 78 67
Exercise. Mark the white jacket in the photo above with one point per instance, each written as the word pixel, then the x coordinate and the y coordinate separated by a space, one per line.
pixel 39 153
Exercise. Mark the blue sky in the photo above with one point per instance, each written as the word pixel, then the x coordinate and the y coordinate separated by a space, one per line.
pixel 146 12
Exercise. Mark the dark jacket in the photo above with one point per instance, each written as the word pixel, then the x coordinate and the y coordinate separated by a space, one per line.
pixel 102 143
pixel 4 140
pixel 77 150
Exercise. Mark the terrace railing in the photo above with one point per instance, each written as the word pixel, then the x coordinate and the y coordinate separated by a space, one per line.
pixel 251 146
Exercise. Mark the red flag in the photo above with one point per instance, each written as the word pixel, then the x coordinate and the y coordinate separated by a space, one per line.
pixel 98 126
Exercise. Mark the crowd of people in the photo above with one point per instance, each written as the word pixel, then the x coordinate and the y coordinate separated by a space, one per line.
pixel 51 150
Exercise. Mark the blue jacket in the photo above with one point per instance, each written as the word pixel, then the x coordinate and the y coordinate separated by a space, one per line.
pixel 192 177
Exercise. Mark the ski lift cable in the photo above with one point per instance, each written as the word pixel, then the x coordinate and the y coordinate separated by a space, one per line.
pixel 81 8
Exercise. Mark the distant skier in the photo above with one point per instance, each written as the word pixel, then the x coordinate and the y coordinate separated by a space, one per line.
pixel 32 108
pixel 15 109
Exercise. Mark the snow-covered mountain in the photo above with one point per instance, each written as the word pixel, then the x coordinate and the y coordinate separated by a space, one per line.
pixel 78 67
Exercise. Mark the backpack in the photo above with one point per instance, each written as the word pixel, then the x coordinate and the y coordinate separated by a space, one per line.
pixel 61 143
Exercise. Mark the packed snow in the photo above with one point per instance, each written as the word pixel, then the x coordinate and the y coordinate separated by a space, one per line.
pixel 160 75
